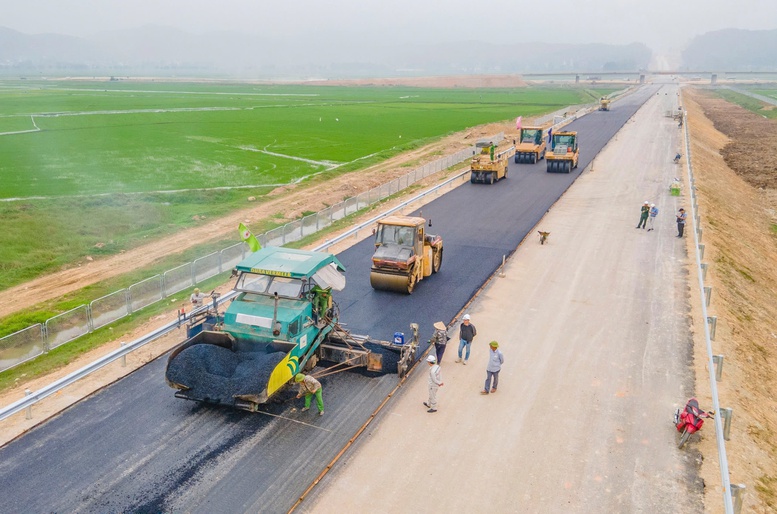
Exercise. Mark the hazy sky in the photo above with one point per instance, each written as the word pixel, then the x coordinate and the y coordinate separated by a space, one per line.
pixel 658 23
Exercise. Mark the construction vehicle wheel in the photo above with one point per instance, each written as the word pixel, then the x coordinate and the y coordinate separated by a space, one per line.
pixel 517 161
pixel 505 171
pixel 411 283
pixel 472 179
pixel 567 166
pixel 437 261
pixel 533 158
pixel 491 177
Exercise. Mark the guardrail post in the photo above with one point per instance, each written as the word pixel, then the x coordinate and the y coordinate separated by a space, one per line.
pixel 123 357
pixel 28 410
pixel 701 252
pixel 502 269
pixel 717 360
pixel 45 331
pixel 707 295
pixel 713 322
pixel 89 320
pixel 737 493
pixel 699 232
pixel 726 413
pixel 704 271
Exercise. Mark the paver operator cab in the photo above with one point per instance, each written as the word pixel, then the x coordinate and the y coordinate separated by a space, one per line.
pixel 564 152
pixel 404 254
pixel 281 322
pixel 531 146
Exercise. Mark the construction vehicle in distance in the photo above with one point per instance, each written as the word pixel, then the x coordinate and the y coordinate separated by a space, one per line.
pixel 604 104
pixel 282 321
pixel 564 152
pixel 490 165
pixel 531 146
pixel 404 254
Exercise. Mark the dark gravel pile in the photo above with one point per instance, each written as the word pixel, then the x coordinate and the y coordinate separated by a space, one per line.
pixel 216 374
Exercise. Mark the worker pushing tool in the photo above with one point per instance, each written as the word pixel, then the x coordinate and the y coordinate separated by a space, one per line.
pixel 310 387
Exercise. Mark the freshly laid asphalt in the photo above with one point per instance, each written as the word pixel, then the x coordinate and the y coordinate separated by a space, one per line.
pixel 134 447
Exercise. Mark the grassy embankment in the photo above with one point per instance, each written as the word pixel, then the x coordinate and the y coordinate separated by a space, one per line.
pixel 752 104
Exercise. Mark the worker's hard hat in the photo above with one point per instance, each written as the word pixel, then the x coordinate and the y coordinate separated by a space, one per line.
pixel 493 344
pixel 652 205
pixel 466 317
pixel 431 358
pixel 439 325
pixel 646 202
pixel 196 290
pixel 299 377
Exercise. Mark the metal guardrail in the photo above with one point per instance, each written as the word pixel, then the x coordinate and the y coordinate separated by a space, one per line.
pixel 33 397
pixel 704 293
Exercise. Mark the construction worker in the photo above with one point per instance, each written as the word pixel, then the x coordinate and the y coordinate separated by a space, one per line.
pixel 495 361
pixel 435 383
pixel 439 339
pixel 310 387
pixel 197 298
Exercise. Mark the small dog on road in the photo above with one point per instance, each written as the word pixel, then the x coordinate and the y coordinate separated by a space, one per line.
pixel 543 236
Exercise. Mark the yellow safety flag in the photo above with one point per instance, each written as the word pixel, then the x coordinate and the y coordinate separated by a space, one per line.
pixel 249 238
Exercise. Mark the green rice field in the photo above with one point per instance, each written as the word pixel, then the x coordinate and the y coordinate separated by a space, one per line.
pixel 749 103
pixel 118 162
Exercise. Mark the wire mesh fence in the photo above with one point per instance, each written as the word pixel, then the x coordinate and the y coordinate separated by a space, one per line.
pixel 232 255
pixel 146 292
pixel 206 267
pixel 21 346
pixel 177 279
pixel 67 326
pixel 109 308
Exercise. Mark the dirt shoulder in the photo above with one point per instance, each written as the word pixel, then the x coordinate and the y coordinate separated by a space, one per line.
pixel 290 201
pixel 737 203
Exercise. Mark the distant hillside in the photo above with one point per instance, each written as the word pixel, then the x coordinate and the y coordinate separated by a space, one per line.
pixel 164 51
pixel 732 49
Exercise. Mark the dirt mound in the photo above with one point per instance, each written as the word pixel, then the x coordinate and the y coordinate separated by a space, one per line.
pixel 751 149
pixel 740 240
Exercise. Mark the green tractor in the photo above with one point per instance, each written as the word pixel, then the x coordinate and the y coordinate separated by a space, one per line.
pixel 282 321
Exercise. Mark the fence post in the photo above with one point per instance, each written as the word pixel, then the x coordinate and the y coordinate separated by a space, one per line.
pixel 726 413
pixel 45 330
pixel 707 295
pixel 704 271
pixel 713 322
pixel 28 410
pixel 717 360
pixel 89 320
pixel 701 251
pixel 123 357
pixel 737 492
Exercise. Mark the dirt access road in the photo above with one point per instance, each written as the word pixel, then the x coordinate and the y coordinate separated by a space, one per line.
pixel 595 331
pixel 290 201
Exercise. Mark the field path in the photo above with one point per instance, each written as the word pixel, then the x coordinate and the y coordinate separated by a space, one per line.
pixel 288 199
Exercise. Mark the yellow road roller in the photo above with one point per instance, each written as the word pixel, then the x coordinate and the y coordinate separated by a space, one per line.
pixel 404 254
